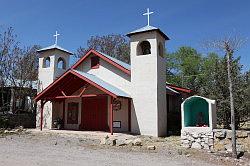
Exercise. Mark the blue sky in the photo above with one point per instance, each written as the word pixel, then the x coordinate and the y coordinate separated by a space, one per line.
pixel 187 23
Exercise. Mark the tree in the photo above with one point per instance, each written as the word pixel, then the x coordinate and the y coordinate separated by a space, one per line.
pixel 18 66
pixel 184 67
pixel 229 45
pixel 116 46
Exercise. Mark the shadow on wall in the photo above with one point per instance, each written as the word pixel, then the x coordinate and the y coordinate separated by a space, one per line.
pixel 134 122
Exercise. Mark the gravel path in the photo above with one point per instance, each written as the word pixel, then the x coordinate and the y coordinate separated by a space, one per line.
pixel 43 150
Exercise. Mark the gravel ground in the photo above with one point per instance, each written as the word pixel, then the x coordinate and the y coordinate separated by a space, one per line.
pixel 56 149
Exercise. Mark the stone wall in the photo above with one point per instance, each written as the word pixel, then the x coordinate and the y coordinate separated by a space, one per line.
pixel 217 140
pixel 222 140
pixel 197 139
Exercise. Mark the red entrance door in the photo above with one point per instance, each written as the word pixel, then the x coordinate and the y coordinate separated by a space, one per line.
pixel 95 113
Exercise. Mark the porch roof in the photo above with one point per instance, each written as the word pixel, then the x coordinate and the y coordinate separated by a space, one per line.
pixel 100 82
pixel 73 80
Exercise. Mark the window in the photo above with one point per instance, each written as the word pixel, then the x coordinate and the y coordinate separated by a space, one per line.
pixel 61 63
pixel 46 62
pixel 144 48
pixel 160 49
pixel 72 116
pixel 95 61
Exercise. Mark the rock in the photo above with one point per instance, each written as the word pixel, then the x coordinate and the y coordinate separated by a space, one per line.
pixel 228 147
pixel 104 141
pixel 185 141
pixel 120 142
pixel 195 135
pixel 210 141
pixel 198 140
pixel 186 145
pixel 220 134
pixel 196 145
pixel 111 142
pixel 229 134
pixel 151 147
pixel 205 146
pixel 219 147
pixel 137 142
pixel 241 134
pixel 128 142
pixel 240 148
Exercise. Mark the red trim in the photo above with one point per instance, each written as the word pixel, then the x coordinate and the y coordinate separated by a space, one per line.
pixel 92 51
pixel 129 115
pixel 111 116
pixel 179 88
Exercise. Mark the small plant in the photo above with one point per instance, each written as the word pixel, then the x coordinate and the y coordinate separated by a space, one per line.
pixel 58 123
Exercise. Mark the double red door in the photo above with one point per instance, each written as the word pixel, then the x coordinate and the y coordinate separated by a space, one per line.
pixel 94 113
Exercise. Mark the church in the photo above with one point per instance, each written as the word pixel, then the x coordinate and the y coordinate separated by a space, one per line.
pixel 101 93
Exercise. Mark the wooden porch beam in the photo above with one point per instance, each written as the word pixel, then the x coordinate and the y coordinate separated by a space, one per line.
pixel 62 92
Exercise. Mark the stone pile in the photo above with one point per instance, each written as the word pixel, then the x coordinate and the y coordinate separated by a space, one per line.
pixel 217 140
pixel 197 140
pixel 120 142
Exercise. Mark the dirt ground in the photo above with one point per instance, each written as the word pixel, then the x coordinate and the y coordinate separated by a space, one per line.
pixel 62 148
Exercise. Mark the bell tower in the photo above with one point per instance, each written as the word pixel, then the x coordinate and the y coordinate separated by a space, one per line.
pixel 148 79
pixel 53 62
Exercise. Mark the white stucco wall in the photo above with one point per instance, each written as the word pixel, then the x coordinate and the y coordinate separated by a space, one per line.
pixel 108 73
pixel 148 80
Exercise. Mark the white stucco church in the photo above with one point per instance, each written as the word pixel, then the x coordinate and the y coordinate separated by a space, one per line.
pixel 102 93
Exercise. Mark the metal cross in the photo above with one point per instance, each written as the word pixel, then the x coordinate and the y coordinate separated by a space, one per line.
pixel 56 35
pixel 148 13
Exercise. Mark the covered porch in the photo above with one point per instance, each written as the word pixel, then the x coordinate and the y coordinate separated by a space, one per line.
pixel 85 102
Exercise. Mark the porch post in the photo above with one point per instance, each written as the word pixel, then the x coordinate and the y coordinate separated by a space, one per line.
pixel 129 115
pixel 111 115
pixel 63 119
pixel 41 116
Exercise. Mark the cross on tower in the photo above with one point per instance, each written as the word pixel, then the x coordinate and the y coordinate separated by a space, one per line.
pixel 148 13
pixel 56 35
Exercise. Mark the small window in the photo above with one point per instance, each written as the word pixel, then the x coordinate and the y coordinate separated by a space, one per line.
pixel 61 63
pixel 160 49
pixel 46 62
pixel 144 48
pixel 95 61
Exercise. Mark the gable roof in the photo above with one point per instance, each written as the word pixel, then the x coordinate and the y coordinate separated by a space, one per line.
pixel 147 29
pixel 115 62
pixel 54 46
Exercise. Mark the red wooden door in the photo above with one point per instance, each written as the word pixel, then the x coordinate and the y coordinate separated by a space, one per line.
pixel 95 113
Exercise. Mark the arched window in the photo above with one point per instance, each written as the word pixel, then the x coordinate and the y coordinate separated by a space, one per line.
pixel 144 48
pixel 61 63
pixel 46 62
pixel 160 49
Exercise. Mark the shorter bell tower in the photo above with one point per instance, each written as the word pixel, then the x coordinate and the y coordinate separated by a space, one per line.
pixel 53 62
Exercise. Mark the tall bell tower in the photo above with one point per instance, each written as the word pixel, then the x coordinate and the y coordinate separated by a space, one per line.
pixel 148 79
pixel 53 62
